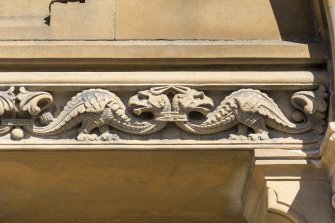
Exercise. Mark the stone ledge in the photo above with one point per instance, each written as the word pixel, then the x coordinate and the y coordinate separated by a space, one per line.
pixel 286 148
pixel 162 50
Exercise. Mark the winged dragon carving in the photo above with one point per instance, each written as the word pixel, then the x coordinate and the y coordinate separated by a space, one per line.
pixel 249 108
pixel 100 109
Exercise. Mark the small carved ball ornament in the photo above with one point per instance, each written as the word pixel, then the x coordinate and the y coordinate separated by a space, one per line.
pixel 17 134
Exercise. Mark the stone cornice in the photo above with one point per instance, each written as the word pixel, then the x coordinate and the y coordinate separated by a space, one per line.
pixel 253 51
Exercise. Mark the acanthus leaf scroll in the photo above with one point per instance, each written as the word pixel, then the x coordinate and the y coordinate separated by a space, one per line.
pixel 246 109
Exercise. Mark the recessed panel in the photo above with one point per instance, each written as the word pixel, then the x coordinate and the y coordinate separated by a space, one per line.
pixel 123 186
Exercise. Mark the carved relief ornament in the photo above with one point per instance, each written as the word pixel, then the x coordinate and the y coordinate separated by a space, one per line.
pixel 100 109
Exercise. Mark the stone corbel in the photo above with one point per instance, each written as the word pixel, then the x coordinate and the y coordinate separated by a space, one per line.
pixel 286 189
pixel 275 206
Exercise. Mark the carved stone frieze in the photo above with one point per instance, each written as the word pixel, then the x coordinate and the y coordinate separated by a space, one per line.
pixel 149 111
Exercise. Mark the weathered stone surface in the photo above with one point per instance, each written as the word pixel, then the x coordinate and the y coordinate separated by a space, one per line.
pixel 143 19
pixel 123 186
pixel 214 19
pixel 23 19
pixel 93 19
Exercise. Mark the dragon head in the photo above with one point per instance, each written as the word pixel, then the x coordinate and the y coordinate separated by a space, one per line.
pixel 189 100
pixel 149 101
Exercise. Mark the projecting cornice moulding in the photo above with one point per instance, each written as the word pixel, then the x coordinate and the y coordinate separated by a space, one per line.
pixel 178 51
pixel 204 80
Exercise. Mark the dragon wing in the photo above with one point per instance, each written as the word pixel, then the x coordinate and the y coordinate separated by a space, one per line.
pixel 93 100
pixel 264 105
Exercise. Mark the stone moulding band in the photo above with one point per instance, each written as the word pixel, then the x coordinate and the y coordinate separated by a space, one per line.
pixel 149 111
pixel 222 51
pixel 296 80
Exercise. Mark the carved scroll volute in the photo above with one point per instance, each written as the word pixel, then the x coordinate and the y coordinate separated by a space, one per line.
pixel 310 101
pixel 7 100
pixel 34 102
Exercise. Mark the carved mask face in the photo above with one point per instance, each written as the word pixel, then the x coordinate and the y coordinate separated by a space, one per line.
pixel 192 101
pixel 145 101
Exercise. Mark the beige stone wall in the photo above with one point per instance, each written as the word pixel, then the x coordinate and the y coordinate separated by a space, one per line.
pixel 214 19
pixel 159 19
